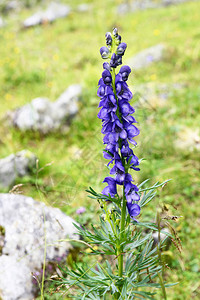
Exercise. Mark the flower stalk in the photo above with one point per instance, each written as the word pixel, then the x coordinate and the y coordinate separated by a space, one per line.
pixel 120 236
pixel 122 228
pixel 117 125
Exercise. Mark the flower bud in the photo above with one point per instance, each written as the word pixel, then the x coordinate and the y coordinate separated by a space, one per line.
pixel 118 40
pixel 107 78
pixel 125 71
pixel 113 61
pixel 108 39
pixel 115 32
pixel 104 51
pixel 118 60
pixel 106 66
pixel 121 49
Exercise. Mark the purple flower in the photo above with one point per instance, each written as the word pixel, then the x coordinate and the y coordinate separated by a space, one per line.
pixel 80 210
pixel 109 102
pixel 121 48
pixel 125 108
pixel 111 189
pixel 113 61
pixel 108 39
pixel 117 124
pixel 126 151
pixel 119 170
pixel 133 161
pixel 125 71
pixel 133 209
pixel 106 66
pixel 132 131
pixel 107 78
pixel 104 51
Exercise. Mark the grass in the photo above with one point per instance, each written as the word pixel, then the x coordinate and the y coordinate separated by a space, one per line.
pixel 44 61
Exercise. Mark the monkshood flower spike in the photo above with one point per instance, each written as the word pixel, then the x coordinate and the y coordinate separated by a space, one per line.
pixel 117 123
pixel 128 263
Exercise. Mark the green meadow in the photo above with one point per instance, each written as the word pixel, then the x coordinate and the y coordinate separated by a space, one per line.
pixel 43 61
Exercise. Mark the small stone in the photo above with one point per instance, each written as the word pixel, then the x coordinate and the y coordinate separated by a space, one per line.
pixel 16 165
pixel 13 5
pixel 53 12
pixel 163 235
pixel 45 116
pixel 66 106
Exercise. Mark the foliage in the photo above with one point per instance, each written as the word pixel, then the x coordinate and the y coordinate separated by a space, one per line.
pixel 143 260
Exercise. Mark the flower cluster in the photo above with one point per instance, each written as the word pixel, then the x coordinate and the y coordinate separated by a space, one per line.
pixel 117 123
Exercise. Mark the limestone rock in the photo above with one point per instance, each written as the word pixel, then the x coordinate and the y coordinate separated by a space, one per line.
pixel 15 279
pixel 45 116
pixel 147 57
pixel 27 224
pixel 66 105
pixel 53 12
pixel 136 5
pixel 13 5
pixel 16 165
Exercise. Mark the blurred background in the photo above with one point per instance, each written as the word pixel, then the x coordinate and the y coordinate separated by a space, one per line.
pixel 50 51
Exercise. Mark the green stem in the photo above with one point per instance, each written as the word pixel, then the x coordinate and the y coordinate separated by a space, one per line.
pixel 122 227
pixel 44 262
pixel 123 204
pixel 161 276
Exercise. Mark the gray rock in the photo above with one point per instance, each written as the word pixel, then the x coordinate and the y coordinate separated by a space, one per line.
pixel 16 165
pixel 34 115
pixel 165 232
pixel 66 106
pixel 15 279
pixel 13 5
pixel 46 116
pixel 53 12
pixel 28 225
pixel 146 4
pixel 146 57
